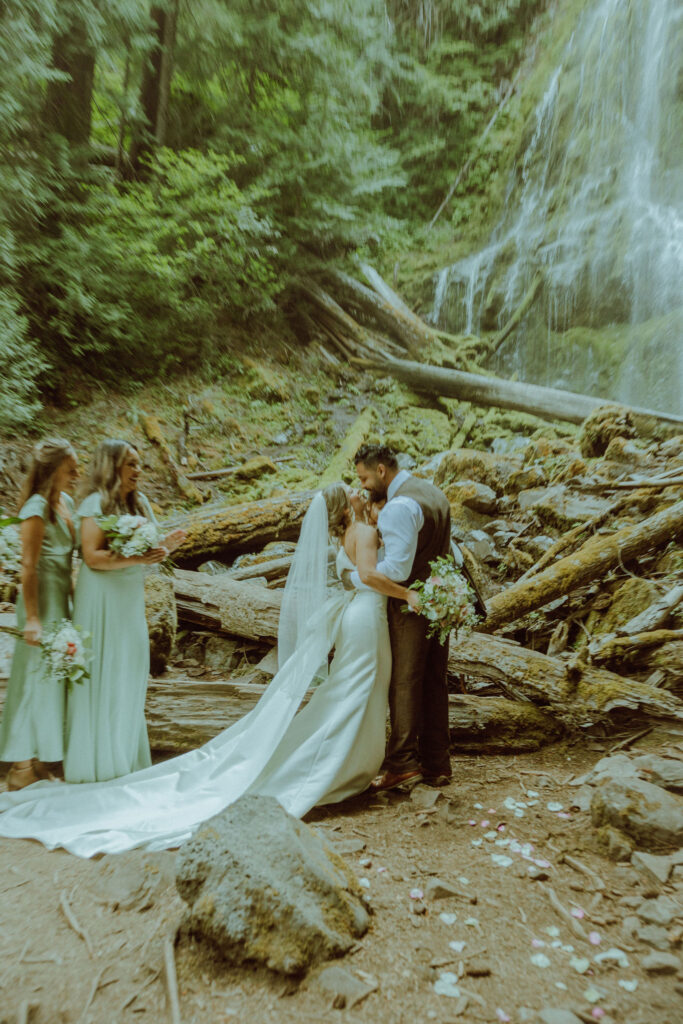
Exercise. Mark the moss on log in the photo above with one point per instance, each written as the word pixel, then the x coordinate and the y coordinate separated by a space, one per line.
pixel 590 562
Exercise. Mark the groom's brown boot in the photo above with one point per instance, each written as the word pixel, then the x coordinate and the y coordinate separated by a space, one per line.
pixel 395 780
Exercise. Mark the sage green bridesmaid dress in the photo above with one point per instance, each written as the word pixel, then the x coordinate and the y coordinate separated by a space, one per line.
pixel 106 732
pixel 33 718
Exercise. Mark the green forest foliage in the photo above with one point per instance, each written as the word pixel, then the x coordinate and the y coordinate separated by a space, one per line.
pixel 145 202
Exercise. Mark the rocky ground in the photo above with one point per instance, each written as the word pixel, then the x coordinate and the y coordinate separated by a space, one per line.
pixel 492 901
pixel 527 890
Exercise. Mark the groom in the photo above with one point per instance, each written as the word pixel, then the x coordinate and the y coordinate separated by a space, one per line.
pixel 415 525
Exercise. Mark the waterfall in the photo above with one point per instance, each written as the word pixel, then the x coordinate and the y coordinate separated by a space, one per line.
pixel 595 201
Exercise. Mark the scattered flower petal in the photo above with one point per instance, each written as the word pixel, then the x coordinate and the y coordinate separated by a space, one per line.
pixel 501 860
pixel 553 931
pixel 567 949
pixel 556 944
pixel 416 894
pixel 597 1012
pixel 502 842
pixel 564 815
pixel 381 870
pixel 473 922
pixel 478 807
pixel 541 862
pixel 448 918
pixel 540 960
pixel 561 985
pixel 501 827
pixel 612 955
pixel 471 822
pixel 485 823
pixel 531 792
pixel 458 945
pixel 476 842
pixel 446 985
pixel 364 882
pixel 578 912
pixel 538 943
pixel 490 835
pixel 463 880
pixel 593 994
pixel 554 806
pixel 580 964
pixel 594 938
pixel 502 1015
pixel 630 984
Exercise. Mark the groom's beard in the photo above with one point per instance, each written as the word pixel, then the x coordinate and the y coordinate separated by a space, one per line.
pixel 376 495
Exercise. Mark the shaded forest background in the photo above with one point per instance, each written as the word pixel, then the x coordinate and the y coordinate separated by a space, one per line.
pixel 170 172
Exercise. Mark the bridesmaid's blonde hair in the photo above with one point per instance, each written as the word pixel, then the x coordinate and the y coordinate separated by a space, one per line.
pixel 338 509
pixel 104 477
pixel 47 457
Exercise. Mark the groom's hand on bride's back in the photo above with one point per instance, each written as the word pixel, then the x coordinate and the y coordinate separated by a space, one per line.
pixel 347 582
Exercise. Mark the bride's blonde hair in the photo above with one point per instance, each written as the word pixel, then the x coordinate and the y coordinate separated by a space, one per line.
pixel 105 479
pixel 338 509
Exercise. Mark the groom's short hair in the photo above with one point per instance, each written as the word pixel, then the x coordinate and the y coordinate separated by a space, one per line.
pixel 372 454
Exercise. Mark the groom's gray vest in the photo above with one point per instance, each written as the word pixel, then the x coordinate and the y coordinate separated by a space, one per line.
pixel 434 539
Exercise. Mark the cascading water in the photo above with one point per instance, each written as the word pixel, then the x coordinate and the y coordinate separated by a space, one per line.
pixel 595 204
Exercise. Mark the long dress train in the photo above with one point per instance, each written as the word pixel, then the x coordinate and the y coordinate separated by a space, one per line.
pixel 328 752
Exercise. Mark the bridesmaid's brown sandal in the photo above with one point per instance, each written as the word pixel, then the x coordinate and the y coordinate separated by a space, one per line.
pixel 18 778
pixel 42 771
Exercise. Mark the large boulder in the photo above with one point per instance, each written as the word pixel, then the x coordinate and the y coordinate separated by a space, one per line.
pixel 262 887
pixel 162 618
pixel 653 816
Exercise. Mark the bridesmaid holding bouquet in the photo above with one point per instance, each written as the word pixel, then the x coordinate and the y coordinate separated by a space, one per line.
pixel 106 733
pixel 32 730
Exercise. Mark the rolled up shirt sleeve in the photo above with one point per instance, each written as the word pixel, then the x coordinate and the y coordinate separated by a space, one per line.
pixel 400 521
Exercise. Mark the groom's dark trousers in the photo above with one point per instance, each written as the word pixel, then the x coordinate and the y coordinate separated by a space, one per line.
pixel 418 694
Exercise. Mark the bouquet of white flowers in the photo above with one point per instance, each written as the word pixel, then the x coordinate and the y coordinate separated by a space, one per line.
pixel 129 535
pixel 446 599
pixel 65 650
pixel 10 546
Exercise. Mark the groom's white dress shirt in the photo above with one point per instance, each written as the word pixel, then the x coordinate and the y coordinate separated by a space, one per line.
pixel 399 522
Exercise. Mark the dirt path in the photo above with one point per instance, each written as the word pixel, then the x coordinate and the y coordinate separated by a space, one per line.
pixel 127 904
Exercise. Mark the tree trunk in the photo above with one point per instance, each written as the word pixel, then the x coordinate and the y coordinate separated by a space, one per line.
pixel 153 432
pixel 225 531
pixel 534 676
pixel 357 434
pixel 592 561
pixel 68 103
pixel 409 330
pixel 548 403
pixel 156 82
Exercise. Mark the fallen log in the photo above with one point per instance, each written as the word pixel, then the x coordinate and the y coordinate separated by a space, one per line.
pixel 182 714
pixel 625 648
pixel 530 675
pixel 225 531
pixel 237 607
pixel 592 561
pixel 358 433
pixel 547 403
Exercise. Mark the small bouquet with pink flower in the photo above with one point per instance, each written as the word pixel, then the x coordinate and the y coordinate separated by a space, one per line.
pixel 65 649
pixel 446 599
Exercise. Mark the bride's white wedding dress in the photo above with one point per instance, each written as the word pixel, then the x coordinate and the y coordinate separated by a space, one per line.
pixel 330 750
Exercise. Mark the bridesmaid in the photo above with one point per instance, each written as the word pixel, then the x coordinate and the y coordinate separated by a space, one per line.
pixel 32 730
pixel 106 733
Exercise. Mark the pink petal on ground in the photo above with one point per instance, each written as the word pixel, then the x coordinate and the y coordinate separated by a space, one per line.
pixel 416 894
pixel 484 823
pixel 537 943
pixel 597 1012
pixel 579 913
pixel 501 828
pixel 594 938
pixel 502 1016
pixel 471 822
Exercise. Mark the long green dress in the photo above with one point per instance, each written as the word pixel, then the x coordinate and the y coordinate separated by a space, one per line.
pixel 33 719
pixel 106 733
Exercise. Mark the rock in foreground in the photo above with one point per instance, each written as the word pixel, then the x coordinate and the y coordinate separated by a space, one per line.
pixel 261 886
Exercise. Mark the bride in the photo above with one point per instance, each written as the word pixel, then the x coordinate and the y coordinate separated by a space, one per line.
pixel 331 750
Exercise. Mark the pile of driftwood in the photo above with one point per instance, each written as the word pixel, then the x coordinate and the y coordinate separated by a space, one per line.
pixel 580 561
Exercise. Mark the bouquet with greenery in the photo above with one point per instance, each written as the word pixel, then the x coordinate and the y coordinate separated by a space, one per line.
pixel 65 649
pixel 129 535
pixel 446 599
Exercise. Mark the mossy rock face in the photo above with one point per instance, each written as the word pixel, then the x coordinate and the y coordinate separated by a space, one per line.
pixel 264 383
pixel 469 464
pixel 420 432
pixel 632 597
pixel 604 424
pixel 473 495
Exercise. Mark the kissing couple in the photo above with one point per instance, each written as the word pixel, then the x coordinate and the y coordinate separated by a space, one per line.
pixel 335 746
